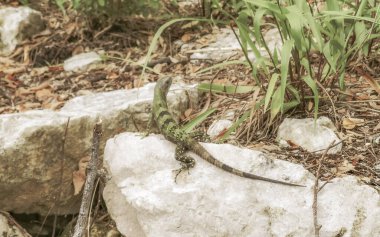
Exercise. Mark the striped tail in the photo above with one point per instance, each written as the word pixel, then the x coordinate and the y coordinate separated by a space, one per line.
pixel 203 153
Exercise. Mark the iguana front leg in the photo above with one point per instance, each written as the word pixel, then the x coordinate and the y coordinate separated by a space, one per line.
pixel 187 162
pixel 149 127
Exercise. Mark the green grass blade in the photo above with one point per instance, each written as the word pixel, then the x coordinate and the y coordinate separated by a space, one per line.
pixel 296 21
pixel 229 89
pixel 285 59
pixel 188 127
pixel 235 126
pixel 326 52
pixel 313 86
pixel 245 37
pixel 270 89
pixel 294 92
pixel 290 105
pixel 338 15
pixel 266 5
pixel 240 121
pixel 222 65
pixel 257 25
pixel 277 104
pixel 156 36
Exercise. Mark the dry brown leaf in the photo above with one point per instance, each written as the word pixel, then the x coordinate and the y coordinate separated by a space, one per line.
pixel 62 97
pixel 365 179
pixel 57 68
pixel 27 106
pixel 2 109
pixel 292 144
pixel 77 50
pixel 78 181
pixel 43 94
pixel 7 61
pixel 53 23
pixel 79 176
pixel 52 103
pixel 38 71
pixel 11 82
pixel 345 167
pixel 193 68
pixel 15 70
pixel 21 91
pixel 377 127
pixel 374 105
pixel 186 37
pixel 351 123
pixel 173 60
pixel 310 106
pixel 69 28
pixel 56 105
pixel 341 111
pixel 188 112
pixel 158 67
pixel 112 76
pixel 361 96
pixel 26 54
pixel 17 52
pixel 372 82
pixel 41 86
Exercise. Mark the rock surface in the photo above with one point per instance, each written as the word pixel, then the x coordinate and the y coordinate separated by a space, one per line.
pixel 31 157
pixel 311 136
pixel 9 227
pixel 81 61
pixel 144 200
pixel 17 24
pixel 224 45
pixel 218 127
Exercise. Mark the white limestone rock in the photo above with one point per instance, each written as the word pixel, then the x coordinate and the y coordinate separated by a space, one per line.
pixel 17 24
pixel 218 127
pixel 31 144
pixel 9 227
pixel 144 200
pixel 313 136
pixel 81 61
pixel 226 45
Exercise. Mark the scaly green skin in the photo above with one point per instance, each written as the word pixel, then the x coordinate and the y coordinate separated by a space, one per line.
pixel 170 129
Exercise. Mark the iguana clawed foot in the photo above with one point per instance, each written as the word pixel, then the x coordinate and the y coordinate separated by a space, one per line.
pixel 178 171
pixel 187 162
pixel 149 126
pixel 184 167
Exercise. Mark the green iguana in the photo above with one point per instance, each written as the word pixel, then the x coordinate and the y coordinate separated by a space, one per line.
pixel 171 130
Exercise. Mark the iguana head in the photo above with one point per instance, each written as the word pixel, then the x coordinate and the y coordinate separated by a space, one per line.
pixel 163 85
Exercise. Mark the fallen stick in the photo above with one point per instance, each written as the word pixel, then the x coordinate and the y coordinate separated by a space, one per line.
pixel 90 182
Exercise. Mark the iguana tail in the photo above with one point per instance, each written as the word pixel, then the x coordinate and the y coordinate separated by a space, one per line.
pixel 203 153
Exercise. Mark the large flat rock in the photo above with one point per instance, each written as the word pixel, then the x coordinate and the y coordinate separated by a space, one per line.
pixel 144 200
pixel 32 157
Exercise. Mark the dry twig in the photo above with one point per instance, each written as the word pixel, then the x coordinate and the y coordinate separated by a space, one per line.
pixel 316 190
pixel 90 182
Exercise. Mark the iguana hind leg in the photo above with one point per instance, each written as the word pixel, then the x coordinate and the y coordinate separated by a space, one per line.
pixel 200 136
pixel 187 162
